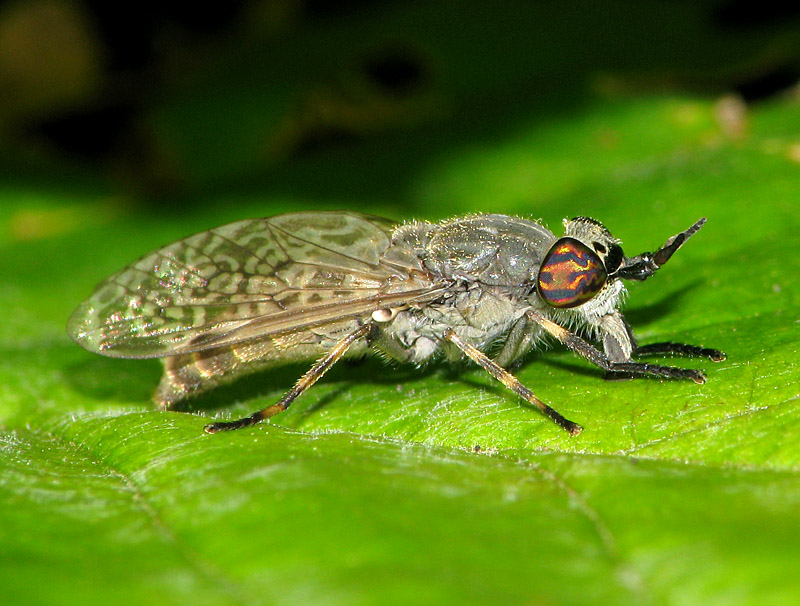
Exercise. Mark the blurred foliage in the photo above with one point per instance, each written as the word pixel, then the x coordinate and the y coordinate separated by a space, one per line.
pixel 255 95
pixel 392 484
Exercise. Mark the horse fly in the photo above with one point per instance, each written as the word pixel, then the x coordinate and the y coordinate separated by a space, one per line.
pixel 322 285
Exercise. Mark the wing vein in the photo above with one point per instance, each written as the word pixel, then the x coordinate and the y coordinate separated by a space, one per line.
pixel 242 248
pixel 314 244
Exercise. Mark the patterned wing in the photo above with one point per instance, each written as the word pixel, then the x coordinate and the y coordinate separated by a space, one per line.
pixel 249 280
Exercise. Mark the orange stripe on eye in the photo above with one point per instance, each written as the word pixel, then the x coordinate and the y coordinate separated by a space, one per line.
pixel 571 274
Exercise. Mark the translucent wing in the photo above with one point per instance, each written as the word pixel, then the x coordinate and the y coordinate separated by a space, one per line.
pixel 249 280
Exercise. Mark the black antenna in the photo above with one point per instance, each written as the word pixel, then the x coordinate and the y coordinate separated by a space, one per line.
pixel 646 264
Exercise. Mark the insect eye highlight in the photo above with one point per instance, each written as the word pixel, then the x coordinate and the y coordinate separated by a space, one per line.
pixel 571 274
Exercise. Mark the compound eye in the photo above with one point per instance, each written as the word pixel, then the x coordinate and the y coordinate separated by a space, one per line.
pixel 571 274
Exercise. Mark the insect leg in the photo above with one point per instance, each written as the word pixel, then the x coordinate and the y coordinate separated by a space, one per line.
pixel 597 357
pixel 510 381
pixel 679 349
pixel 616 329
pixel 517 341
pixel 313 374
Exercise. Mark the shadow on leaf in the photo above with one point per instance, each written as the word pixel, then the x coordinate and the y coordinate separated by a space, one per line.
pixel 114 380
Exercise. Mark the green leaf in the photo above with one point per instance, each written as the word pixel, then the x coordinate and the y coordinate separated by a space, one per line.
pixel 390 484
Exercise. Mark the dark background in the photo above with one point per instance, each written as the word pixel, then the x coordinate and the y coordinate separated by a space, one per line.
pixel 176 108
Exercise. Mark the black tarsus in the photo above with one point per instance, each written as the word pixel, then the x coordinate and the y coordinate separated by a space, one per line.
pixel 679 349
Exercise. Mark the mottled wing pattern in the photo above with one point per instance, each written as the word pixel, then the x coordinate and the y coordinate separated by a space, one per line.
pixel 248 280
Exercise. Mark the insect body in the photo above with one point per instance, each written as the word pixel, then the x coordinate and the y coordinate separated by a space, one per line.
pixel 303 285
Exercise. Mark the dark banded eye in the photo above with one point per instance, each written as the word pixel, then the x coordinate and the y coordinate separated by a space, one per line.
pixel 571 274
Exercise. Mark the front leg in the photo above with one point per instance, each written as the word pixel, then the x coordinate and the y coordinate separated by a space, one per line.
pixel 679 349
pixel 666 349
pixel 618 369
pixel 617 335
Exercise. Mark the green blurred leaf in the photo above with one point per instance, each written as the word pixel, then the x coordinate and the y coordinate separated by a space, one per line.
pixel 389 484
